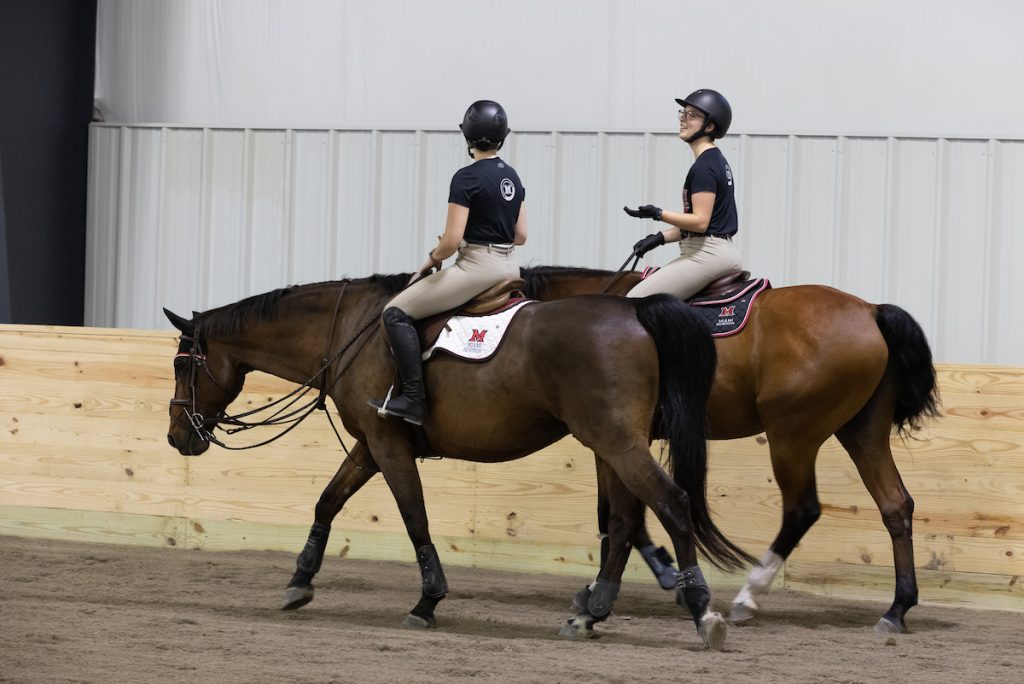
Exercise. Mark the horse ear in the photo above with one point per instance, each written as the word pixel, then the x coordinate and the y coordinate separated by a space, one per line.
pixel 178 322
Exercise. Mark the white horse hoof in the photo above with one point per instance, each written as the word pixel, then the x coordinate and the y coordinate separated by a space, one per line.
pixel 578 628
pixel 887 626
pixel 712 630
pixel 741 612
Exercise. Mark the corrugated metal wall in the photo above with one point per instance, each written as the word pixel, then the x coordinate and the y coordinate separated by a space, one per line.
pixel 192 218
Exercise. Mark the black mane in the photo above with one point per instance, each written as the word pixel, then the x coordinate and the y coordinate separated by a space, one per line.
pixel 537 277
pixel 231 319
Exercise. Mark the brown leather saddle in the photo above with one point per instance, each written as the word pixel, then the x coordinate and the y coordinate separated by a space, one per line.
pixel 489 301
pixel 722 286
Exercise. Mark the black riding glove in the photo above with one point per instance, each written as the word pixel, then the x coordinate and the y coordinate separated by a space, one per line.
pixel 648 243
pixel 644 211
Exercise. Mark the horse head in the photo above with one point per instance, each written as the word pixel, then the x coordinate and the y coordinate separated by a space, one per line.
pixel 204 386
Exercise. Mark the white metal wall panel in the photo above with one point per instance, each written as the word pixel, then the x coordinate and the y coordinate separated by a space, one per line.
pixel 193 218
pixel 225 268
pixel 1005 323
pixel 269 244
pixel 104 188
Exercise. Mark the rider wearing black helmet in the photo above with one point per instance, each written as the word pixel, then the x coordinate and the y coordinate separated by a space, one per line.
pixel 486 221
pixel 706 225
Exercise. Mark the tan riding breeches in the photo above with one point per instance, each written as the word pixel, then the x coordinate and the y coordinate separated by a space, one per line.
pixel 701 260
pixel 477 268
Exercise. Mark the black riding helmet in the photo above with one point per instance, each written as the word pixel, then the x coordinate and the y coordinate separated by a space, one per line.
pixel 485 125
pixel 714 106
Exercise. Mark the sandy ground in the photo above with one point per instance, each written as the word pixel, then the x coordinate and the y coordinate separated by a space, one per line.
pixel 76 612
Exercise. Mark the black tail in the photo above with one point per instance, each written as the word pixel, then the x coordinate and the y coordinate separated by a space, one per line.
pixel 910 360
pixel 686 361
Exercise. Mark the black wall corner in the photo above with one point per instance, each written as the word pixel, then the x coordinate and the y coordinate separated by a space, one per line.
pixel 47 66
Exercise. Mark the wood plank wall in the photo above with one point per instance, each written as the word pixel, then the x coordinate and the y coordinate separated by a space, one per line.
pixel 83 456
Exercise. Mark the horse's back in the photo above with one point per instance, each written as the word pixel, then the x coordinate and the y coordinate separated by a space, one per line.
pixel 808 350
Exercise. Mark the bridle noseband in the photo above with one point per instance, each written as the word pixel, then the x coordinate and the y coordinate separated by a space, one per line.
pixel 196 360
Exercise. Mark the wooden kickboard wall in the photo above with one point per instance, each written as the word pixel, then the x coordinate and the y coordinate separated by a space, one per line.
pixel 84 456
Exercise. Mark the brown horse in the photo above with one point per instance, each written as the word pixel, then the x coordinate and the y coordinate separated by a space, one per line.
pixel 813 362
pixel 645 368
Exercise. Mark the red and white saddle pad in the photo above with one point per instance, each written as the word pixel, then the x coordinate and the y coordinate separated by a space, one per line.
pixel 475 338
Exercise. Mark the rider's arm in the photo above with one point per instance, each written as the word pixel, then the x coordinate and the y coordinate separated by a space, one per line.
pixel 520 238
pixel 696 222
pixel 454 229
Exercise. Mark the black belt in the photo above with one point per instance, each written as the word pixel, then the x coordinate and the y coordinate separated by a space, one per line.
pixel 688 234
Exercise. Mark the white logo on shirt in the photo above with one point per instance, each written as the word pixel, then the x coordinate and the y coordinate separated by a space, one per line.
pixel 508 189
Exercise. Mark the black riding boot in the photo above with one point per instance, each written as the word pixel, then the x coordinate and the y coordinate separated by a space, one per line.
pixel 405 346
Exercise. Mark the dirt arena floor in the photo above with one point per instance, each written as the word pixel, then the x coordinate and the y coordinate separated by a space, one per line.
pixel 75 612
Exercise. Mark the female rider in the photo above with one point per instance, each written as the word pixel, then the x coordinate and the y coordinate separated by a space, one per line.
pixel 706 225
pixel 486 221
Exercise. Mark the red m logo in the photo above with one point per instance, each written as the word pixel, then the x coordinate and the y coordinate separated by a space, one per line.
pixel 727 311
pixel 478 335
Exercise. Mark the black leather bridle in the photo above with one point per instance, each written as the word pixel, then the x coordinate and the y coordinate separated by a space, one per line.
pixel 288 414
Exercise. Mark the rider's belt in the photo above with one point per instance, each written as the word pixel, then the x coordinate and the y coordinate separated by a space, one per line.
pixel 504 250
pixel 687 234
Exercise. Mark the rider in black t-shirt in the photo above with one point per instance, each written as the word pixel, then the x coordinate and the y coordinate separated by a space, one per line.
pixel 486 220
pixel 708 221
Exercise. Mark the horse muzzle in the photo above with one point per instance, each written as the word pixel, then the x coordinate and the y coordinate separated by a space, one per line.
pixel 188 444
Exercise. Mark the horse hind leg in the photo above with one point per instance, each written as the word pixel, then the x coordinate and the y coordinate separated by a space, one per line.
pixel 658 559
pixel 620 515
pixel 866 438
pixel 354 472
pixel 671 504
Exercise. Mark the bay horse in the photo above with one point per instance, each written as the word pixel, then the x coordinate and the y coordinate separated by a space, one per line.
pixel 812 362
pixel 634 370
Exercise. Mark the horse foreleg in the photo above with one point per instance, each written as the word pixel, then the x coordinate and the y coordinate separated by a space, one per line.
pixel 793 465
pixel 354 472
pixel 397 462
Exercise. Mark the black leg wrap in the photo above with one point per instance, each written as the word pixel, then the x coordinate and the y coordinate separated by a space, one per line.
pixel 434 583
pixel 602 598
pixel 660 562
pixel 580 600
pixel 312 554
pixel 692 591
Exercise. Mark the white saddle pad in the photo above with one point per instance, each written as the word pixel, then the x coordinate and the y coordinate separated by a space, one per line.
pixel 475 337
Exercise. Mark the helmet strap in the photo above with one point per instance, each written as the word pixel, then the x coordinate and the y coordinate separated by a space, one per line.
pixel 702 132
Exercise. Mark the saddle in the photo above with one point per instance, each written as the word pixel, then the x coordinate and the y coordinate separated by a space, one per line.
pixel 725 303
pixel 721 286
pixel 492 300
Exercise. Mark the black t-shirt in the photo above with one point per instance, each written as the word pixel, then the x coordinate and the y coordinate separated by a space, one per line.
pixel 493 192
pixel 711 173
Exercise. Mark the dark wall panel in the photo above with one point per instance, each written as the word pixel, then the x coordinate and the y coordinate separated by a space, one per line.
pixel 47 62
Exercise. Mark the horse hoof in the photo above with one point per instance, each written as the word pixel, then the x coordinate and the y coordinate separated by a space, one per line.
pixel 741 612
pixel 296 597
pixel 712 630
pixel 887 626
pixel 578 628
pixel 416 622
